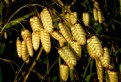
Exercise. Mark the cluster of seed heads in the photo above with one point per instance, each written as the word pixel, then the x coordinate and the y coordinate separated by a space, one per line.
pixel 71 37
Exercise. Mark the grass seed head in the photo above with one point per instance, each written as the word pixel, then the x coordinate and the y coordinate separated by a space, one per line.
pixel 36 39
pixel 19 46
pixel 64 72
pixel 46 20
pixel 45 40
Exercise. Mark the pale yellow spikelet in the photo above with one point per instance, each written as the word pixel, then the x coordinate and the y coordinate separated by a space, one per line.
pixel 67 55
pixel 36 39
pixel 58 36
pixel 86 18
pixel 105 59
pixel 64 72
pixel 25 33
pixel 64 30
pixel 29 46
pixel 95 14
pixel 71 17
pixel 46 20
pixel 78 34
pixel 35 23
pixel 94 47
pixel 24 54
pixel 96 4
pixel 113 77
pixel 18 47
pixel 100 19
pixel 76 47
pixel 45 40
pixel 99 70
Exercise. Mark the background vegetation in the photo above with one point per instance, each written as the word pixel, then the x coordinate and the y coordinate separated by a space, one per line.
pixel 15 14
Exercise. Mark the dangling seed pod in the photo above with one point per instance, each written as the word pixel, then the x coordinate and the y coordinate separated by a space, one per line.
pixel 76 47
pixel 112 76
pixel 105 59
pixel 58 36
pixel 24 54
pixel 95 14
pixel 99 70
pixel 100 20
pixel 85 18
pixel 94 47
pixel 71 17
pixel 64 72
pixel 35 23
pixel 18 46
pixel 45 40
pixel 36 39
pixel 65 31
pixel 29 46
pixel 46 20
pixel 78 34
pixel 67 55
pixel 25 33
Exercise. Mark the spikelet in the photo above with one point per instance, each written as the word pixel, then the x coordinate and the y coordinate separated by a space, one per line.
pixel 68 56
pixel 94 47
pixel 99 70
pixel 64 72
pixel 5 35
pixel 25 33
pixel 35 23
pixel 85 18
pixel 78 34
pixel 100 19
pixel 18 46
pixel 36 39
pixel 105 59
pixel 71 17
pixel 58 36
pixel 29 46
pixel 24 54
pixel 65 31
pixel 112 76
pixel 46 20
pixel 76 47
pixel 95 14
pixel 45 40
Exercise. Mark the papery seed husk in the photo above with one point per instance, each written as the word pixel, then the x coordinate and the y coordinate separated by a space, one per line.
pixel 64 30
pixel 45 40
pixel 25 55
pixel 78 34
pixel 58 36
pixel 19 47
pixel 94 47
pixel 46 20
pixel 35 23
pixel 29 46
pixel 105 59
pixel 99 70
pixel 95 14
pixel 64 72
pixel 76 47
pixel 85 18
pixel 100 19
pixel 36 40
pixel 25 33
pixel 113 77
pixel 67 55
